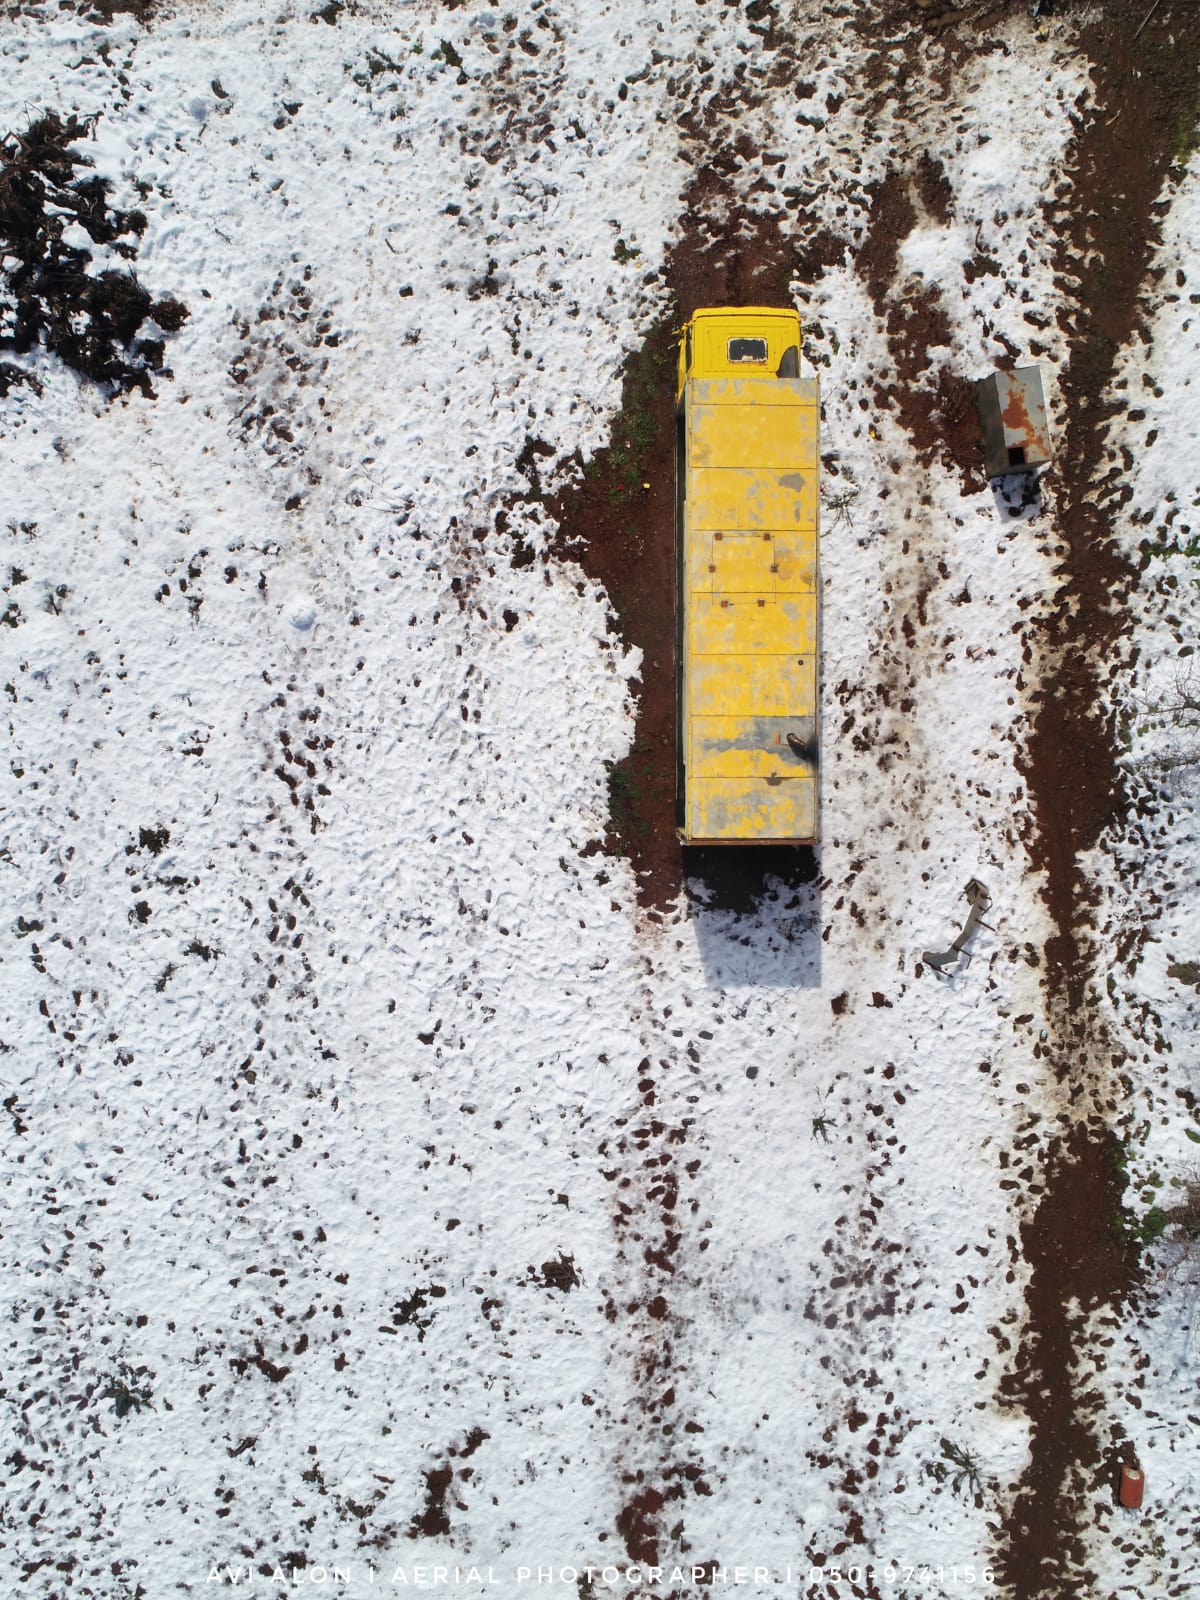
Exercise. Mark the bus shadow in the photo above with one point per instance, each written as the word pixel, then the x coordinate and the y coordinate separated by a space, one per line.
pixel 757 914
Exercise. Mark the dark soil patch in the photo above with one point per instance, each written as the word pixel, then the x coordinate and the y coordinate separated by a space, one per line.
pixel 933 189
pixel 937 410
pixel 729 254
pixel 619 525
pixel 105 10
pixel 1078 1252
pixel 637 1523
pixel 1074 1242
pixel 559 1274
pixel 960 29
pixel 102 11
pixel 269 1369
pixel 893 217
pixel 433 1520
pixel 92 321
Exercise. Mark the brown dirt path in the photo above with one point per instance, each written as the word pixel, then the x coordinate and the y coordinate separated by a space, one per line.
pixel 1078 1253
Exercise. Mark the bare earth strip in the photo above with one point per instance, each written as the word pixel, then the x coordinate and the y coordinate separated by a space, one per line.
pixel 1079 1261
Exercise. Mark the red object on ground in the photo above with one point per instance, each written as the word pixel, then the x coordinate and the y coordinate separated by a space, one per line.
pixel 1133 1483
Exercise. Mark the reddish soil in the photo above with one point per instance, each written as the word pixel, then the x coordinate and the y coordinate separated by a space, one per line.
pixel 1075 1243
pixel 622 533
pixel 945 423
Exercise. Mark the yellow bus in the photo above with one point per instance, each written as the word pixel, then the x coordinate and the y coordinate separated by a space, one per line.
pixel 747 584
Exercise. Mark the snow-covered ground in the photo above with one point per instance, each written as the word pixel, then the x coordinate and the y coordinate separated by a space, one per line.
pixel 1152 915
pixel 384 1190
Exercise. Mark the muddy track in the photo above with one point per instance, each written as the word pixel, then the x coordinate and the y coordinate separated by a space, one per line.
pixel 1079 1258
pixel 618 524
pixel 1076 1246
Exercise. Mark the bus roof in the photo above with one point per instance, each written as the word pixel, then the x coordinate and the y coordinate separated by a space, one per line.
pixel 749 598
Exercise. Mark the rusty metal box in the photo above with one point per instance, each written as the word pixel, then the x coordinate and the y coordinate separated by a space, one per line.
pixel 1012 409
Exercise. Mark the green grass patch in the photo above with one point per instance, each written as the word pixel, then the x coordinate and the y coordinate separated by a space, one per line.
pixel 1186 133
pixel 1152 1226
pixel 645 388
pixel 624 800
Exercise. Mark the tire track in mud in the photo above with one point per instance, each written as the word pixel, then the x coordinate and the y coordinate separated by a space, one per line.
pixel 1074 1244
pixel 1079 1259
pixel 660 1464
pixel 618 523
